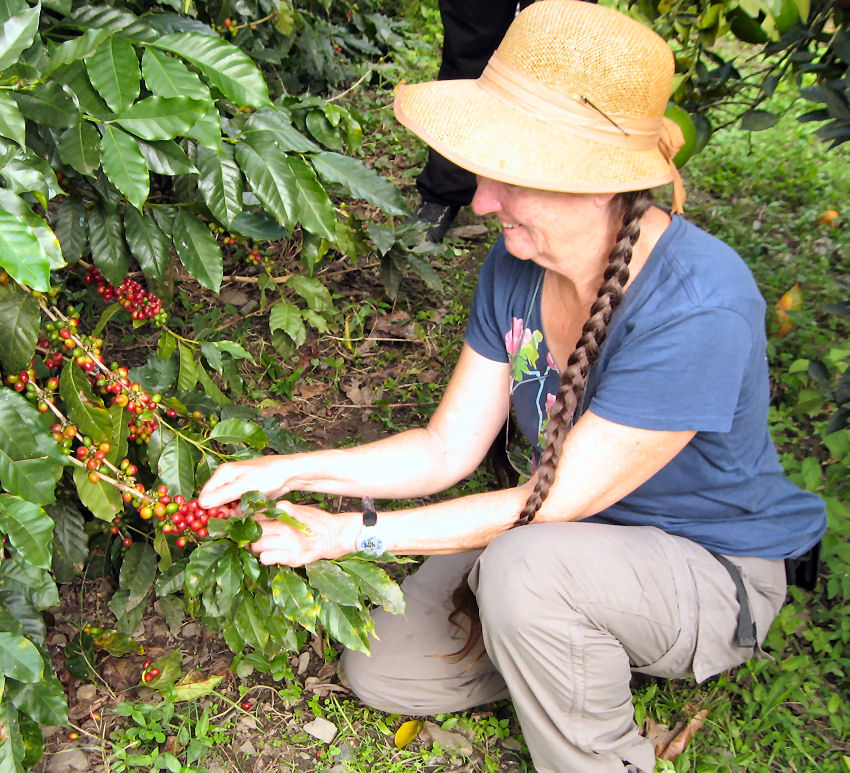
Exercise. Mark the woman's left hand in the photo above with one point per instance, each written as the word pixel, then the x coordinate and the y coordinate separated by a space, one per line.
pixel 327 536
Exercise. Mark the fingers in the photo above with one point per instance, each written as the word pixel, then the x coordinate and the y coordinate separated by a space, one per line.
pixel 230 481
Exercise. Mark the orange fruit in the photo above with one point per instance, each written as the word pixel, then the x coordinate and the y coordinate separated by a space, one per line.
pixel 829 217
pixel 790 301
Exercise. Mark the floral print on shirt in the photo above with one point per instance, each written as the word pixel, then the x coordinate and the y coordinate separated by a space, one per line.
pixel 523 347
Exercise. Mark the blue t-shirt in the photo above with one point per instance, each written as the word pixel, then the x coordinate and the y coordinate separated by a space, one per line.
pixel 685 351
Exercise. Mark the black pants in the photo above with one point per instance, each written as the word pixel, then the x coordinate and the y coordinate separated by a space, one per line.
pixel 472 30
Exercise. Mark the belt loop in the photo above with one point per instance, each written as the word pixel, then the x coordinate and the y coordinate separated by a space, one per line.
pixel 746 634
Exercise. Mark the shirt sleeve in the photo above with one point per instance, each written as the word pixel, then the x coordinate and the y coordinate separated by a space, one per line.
pixel 684 372
pixel 483 332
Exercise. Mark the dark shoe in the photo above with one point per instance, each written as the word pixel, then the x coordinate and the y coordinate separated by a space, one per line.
pixel 438 216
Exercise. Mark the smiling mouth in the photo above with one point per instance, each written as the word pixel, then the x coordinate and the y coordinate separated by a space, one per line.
pixel 510 226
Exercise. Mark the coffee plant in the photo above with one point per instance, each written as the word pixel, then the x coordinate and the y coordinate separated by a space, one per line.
pixel 134 142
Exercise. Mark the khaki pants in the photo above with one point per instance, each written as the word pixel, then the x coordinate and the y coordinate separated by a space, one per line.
pixel 568 610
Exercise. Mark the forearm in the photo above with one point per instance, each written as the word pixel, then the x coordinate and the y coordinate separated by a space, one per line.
pixel 410 464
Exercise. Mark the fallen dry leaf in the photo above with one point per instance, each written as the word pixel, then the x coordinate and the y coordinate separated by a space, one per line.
pixel 683 737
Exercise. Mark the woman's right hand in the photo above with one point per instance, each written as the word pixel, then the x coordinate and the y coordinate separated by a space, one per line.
pixel 231 480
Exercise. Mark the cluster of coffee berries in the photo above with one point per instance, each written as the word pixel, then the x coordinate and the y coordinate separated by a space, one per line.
pixel 254 257
pixel 93 457
pixel 141 304
pixel 149 671
pixel 20 381
pixel 179 515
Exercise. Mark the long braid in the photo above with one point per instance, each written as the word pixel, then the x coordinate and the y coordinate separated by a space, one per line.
pixel 633 205
pixel 587 350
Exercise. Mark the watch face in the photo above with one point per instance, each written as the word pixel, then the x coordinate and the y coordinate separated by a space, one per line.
pixel 371 544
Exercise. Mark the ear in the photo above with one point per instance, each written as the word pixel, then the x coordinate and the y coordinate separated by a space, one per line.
pixel 602 200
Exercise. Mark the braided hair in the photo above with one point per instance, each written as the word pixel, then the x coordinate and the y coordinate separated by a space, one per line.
pixel 632 206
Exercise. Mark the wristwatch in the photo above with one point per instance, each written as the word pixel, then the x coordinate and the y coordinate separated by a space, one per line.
pixel 369 540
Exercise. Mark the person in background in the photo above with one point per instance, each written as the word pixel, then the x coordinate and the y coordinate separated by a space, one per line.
pixel 471 31
pixel 653 530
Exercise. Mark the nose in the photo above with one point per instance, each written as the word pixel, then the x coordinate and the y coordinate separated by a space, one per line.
pixel 487 197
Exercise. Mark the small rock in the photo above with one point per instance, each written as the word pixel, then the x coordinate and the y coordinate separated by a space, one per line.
pixel 453 742
pixel 234 297
pixel 469 232
pixel 86 692
pixel 248 748
pixel 58 640
pixel 67 760
pixel 346 753
pixel 216 768
pixel 303 662
pixel 322 729
pixel 190 630
pixel 511 744
pixel 48 731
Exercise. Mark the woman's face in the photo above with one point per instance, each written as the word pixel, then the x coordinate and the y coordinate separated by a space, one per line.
pixel 557 230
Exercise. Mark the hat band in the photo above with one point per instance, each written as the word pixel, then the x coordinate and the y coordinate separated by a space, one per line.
pixel 573 113
pixel 579 116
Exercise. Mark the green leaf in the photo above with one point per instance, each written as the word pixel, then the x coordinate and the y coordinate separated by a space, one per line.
pixel 166 157
pixel 295 598
pixel 758 120
pixel 114 71
pixel 198 250
pixel 109 252
pixel 138 571
pixel 176 467
pixel 30 530
pixel 210 388
pixel 286 316
pixel 220 183
pixel 19 322
pixel 21 253
pixel 172 579
pixel 234 350
pixel 375 584
pixel 49 105
pixel 273 126
pixel 321 129
pixel 333 583
pixel 102 499
pixel 224 65
pixel 228 581
pixel 239 431
pixel 79 657
pixel 161 118
pixel 166 76
pixel 69 225
pixel 70 541
pixel 79 147
pixel 250 623
pixel 207 131
pixel 74 76
pixel 200 575
pixel 313 207
pixel 20 658
pixel 120 433
pixel 149 245
pixel 270 177
pixel 83 407
pixel 361 181
pixel 127 616
pixel 11 121
pixel 17 33
pixel 124 165
pixel 348 626
pixel 30 460
pixel 76 49
pixel 186 690
pixel 188 369
pixel 43 701
pixel 311 290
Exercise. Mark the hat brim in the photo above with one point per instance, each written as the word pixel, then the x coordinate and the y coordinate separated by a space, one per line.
pixel 486 135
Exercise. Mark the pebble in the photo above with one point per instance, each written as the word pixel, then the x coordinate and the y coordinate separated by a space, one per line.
pixel 452 742
pixel 248 748
pixel 66 760
pixel 86 692
pixel 322 729
pixel 303 662
pixel 190 630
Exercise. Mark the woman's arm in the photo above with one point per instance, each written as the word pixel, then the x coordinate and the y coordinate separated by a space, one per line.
pixel 414 463
pixel 601 463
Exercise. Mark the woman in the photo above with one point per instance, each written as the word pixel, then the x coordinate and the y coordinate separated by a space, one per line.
pixel 659 516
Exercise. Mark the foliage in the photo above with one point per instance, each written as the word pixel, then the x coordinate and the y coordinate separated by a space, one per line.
pixel 719 83
pixel 131 136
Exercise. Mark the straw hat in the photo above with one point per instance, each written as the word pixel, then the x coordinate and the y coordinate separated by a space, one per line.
pixel 572 100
